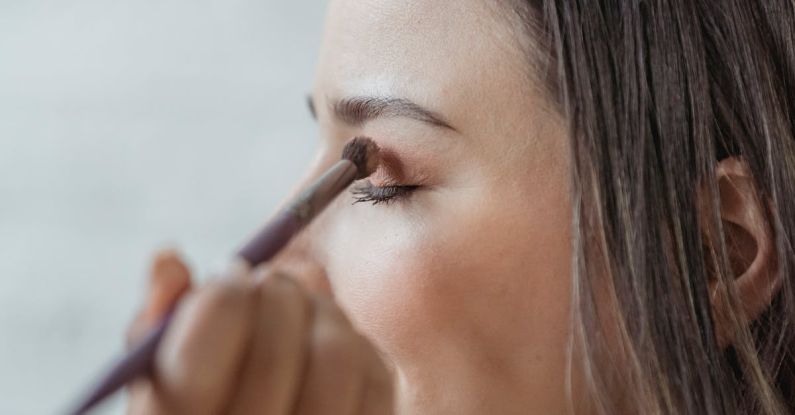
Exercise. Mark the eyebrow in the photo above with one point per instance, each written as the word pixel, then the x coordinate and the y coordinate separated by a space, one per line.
pixel 359 110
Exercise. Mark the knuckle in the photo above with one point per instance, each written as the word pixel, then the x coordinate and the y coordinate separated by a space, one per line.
pixel 224 296
pixel 337 346
pixel 281 286
pixel 378 373
pixel 146 398
pixel 381 381
pixel 336 314
pixel 332 312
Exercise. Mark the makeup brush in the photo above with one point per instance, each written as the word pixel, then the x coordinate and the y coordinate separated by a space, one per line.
pixel 360 158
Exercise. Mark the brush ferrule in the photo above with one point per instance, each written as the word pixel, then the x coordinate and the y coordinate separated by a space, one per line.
pixel 320 193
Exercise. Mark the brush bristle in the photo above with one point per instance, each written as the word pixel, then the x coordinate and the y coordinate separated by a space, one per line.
pixel 364 153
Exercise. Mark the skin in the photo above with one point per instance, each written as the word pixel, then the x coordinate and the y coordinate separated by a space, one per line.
pixel 461 330
pixel 454 298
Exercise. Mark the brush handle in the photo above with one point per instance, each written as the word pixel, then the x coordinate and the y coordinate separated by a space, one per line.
pixel 270 240
pixel 265 245
pixel 140 360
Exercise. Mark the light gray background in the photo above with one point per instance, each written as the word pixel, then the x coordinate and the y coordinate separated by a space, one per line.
pixel 126 125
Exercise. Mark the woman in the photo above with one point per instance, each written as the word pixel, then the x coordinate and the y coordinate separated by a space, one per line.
pixel 587 208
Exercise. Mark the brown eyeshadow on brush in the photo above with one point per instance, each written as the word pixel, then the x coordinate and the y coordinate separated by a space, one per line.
pixel 365 154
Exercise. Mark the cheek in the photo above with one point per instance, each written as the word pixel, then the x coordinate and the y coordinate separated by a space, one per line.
pixel 466 276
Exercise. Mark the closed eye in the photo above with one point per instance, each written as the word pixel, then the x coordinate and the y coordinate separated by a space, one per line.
pixel 367 192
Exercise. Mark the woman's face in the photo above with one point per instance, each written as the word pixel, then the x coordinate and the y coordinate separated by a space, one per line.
pixel 461 273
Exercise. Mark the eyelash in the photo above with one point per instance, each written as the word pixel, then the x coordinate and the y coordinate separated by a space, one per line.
pixel 367 192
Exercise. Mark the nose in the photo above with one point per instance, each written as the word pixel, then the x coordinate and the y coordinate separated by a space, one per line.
pixel 301 258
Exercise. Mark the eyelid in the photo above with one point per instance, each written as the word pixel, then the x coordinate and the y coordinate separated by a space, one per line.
pixel 381 180
pixel 393 172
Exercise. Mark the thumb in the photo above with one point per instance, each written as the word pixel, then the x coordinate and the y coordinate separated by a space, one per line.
pixel 169 280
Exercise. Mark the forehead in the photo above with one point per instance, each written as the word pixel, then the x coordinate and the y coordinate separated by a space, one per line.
pixel 448 50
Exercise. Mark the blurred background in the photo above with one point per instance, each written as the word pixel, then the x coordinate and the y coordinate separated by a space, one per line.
pixel 126 126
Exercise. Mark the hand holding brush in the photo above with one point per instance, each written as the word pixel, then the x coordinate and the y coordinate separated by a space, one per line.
pixel 244 345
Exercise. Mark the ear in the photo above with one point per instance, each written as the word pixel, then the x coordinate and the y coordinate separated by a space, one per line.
pixel 751 249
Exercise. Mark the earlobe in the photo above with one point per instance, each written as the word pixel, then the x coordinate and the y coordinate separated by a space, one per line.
pixel 751 248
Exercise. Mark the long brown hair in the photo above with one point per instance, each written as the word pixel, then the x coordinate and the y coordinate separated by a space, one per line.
pixel 656 92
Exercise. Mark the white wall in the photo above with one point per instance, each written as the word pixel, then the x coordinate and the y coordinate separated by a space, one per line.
pixel 126 125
